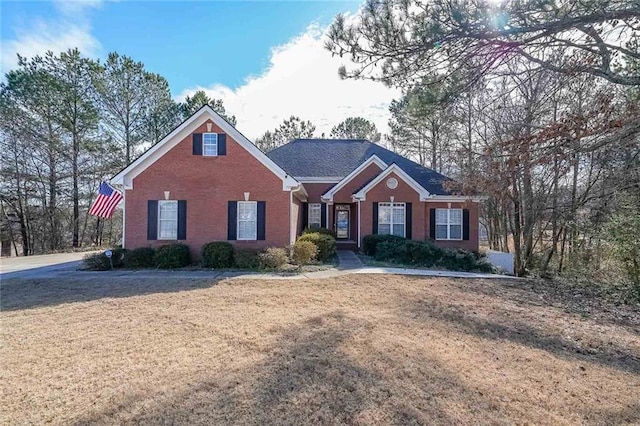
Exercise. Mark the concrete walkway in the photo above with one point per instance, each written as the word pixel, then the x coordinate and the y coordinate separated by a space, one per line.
pixel 348 260
pixel 40 265
pixel 66 265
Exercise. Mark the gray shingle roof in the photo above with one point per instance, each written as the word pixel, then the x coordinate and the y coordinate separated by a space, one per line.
pixel 338 157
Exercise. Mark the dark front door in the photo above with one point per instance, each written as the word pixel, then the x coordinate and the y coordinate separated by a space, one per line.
pixel 342 221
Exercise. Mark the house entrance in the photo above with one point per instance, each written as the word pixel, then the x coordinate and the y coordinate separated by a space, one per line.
pixel 343 214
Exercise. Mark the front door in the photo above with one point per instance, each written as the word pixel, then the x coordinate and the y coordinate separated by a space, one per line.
pixel 342 221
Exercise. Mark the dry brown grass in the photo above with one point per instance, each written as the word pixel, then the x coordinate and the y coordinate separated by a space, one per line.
pixel 359 350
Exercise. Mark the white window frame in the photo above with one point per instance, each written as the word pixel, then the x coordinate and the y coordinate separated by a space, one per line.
pixel 211 144
pixel 239 220
pixel 318 207
pixel 393 206
pixel 449 224
pixel 160 219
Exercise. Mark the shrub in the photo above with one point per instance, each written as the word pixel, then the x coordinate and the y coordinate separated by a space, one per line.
pixel 142 257
pixel 100 261
pixel 172 256
pixel 422 253
pixel 218 254
pixel 319 230
pixel 456 259
pixel 246 258
pixel 370 242
pixel 326 244
pixel 304 252
pixel 273 258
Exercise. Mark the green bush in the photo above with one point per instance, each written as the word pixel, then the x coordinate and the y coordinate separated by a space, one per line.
pixel 303 252
pixel 425 254
pixel 246 258
pixel 326 244
pixel 142 257
pixel 273 258
pixel 218 254
pixel 319 230
pixel 100 261
pixel 456 259
pixel 172 256
pixel 370 242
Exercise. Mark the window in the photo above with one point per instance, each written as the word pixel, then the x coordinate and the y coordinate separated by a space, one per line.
pixel 448 224
pixel 315 215
pixel 209 144
pixel 247 220
pixel 391 219
pixel 167 220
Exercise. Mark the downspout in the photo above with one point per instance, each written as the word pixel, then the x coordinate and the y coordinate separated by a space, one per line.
pixel 124 216
pixel 291 231
pixel 294 227
pixel 358 223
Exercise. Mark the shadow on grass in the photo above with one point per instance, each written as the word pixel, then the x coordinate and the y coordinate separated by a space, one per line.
pixel 502 327
pixel 542 293
pixel 18 294
pixel 309 378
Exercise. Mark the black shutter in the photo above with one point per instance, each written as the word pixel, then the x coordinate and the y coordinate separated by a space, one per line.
pixel 222 144
pixel 182 219
pixel 305 215
pixel 375 218
pixel 323 215
pixel 407 220
pixel 197 144
pixel 465 224
pixel 232 220
pixel 432 224
pixel 262 220
pixel 152 220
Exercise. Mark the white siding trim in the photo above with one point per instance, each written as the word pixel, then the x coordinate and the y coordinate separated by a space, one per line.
pixel 328 196
pixel 394 168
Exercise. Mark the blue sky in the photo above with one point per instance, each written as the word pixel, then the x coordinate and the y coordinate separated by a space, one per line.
pixel 243 52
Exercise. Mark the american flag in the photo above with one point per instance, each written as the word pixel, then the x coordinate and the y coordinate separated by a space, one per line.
pixel 105 204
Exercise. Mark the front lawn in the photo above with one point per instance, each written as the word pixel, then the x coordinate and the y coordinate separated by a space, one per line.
pixel 361 349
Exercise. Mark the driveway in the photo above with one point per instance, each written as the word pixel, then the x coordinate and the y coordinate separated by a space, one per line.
pixel 38 266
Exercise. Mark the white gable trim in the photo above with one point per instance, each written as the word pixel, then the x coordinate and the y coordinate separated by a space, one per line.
pixel 318 179
pixel 394 168
pixel 328 196
pixel 126 176
pixel 457 198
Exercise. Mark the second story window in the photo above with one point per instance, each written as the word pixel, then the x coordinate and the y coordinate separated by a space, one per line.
pixel 209 144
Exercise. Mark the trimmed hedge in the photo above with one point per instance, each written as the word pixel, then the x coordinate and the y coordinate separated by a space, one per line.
pixel 142 257
pixel 273 258
pixel 326 244
pixel 319 230
pixel 370 242
pixel 171 256
pixel 303 252
pixel 218 254
pixel 246 258
pixel 423 253
pixel 100 261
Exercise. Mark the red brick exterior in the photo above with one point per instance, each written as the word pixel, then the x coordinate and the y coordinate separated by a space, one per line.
pixel 315 190
pixel 344 194
pixel 207 184
pixel 474 235
pixel 402 194
pixel 420 213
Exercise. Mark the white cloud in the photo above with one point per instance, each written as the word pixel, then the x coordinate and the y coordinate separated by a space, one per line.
pixel 302 79
pixel 69 28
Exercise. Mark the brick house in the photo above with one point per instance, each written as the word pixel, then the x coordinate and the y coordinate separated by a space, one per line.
pixel 206 182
